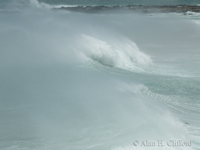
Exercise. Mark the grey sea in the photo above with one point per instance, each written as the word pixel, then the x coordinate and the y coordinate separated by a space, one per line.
pixel 99 74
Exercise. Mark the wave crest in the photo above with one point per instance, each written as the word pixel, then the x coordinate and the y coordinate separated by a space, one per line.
pixel 123 54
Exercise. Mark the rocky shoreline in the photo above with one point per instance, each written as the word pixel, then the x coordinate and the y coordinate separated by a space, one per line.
pixel 136 8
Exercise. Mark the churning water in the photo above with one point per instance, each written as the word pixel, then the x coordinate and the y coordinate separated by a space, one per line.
pixel 114 80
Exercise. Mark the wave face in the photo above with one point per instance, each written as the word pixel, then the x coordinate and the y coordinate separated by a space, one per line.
pixel 123 54
pixel 104 81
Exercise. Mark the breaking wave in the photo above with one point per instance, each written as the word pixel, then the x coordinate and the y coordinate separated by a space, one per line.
pixel 50 98
pixel 123 54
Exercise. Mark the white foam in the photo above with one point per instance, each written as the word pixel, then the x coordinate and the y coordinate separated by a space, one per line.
pixel 37 4
pixel 59 6
pixel 191 13
pixel 123 54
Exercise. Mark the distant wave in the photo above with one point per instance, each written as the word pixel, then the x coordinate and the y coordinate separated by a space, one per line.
pixel 139 8
pixel 191 13
pixel 100 8
pixel 64 6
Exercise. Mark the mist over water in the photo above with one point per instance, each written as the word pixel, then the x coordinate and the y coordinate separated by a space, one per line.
pixel 74 81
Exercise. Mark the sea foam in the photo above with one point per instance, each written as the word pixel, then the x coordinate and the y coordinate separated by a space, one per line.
pixel 123 54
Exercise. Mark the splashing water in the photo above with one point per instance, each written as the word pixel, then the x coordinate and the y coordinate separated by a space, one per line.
pixel 124 54
pixel 54 93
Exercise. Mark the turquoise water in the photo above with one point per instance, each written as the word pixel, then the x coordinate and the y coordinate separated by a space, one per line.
pixel 106 81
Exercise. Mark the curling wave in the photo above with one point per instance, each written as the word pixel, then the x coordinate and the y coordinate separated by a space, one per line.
pixel 123 55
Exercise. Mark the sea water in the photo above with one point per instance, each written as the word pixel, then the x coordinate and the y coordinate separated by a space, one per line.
pixel 109 80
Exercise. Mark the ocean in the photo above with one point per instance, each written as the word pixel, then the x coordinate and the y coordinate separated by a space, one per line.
pixel 99 75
